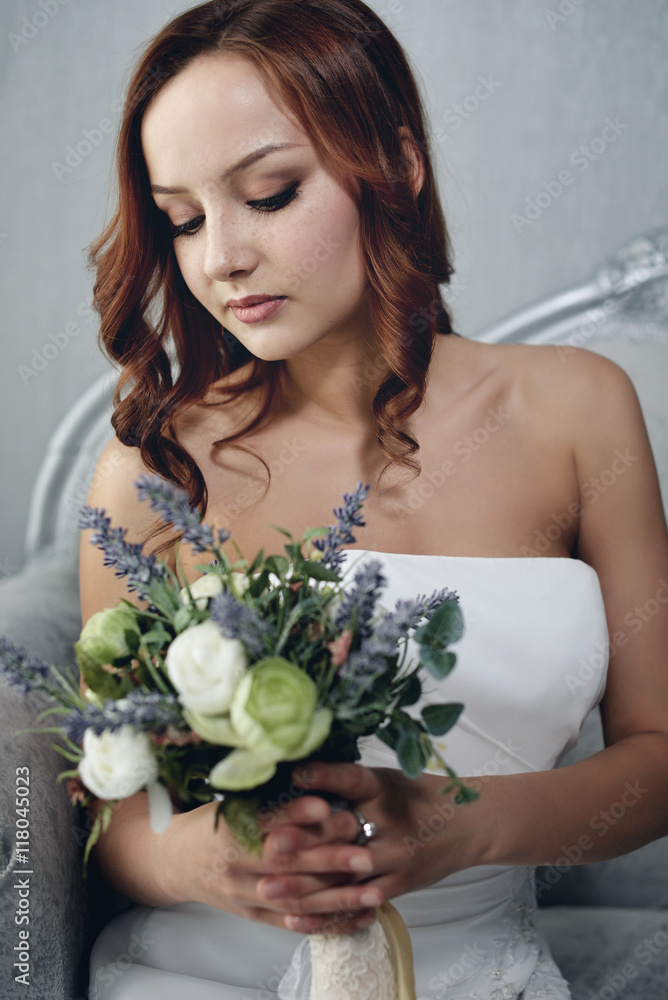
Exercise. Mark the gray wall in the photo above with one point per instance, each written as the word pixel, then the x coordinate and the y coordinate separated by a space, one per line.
pixel 514 88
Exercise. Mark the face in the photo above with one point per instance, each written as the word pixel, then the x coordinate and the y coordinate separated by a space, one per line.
pixel 266 237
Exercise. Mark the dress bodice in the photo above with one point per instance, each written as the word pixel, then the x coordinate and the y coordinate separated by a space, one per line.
pixel 530 666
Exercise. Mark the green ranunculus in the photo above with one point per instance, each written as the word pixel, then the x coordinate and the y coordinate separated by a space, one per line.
pixel 273 717
pixel 109 635
pixel 273 710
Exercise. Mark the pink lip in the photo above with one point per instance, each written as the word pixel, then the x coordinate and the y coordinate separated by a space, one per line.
pixel 255 308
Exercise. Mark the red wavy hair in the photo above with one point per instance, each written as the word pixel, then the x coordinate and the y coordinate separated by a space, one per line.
pixel 346 79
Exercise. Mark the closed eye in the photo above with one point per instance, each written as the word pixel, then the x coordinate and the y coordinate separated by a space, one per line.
pixel 276 201
pixel 272 204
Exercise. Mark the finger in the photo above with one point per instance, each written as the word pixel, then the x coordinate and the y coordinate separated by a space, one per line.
pixel 321 859
pixel 342 826
pixel 277 888
pixel 304 810
pixel 347 898
pixel 351 781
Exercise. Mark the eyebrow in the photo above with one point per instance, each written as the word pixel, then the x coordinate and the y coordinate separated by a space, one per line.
pixel 247 161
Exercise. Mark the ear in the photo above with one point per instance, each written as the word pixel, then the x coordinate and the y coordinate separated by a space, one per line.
pixel 413 159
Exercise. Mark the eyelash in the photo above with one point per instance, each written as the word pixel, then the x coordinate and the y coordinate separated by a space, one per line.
pixel 272 204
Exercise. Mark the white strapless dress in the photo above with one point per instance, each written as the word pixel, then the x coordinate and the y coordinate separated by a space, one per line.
pixel 531 665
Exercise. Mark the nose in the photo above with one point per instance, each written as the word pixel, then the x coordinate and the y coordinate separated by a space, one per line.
pixel 229 250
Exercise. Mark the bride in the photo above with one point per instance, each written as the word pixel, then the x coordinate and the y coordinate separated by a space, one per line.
pixel 269 286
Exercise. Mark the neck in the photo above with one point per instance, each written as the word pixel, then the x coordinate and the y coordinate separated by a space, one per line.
pixel 334 382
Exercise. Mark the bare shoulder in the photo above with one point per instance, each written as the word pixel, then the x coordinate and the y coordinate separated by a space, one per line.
pixel 113 488
pixel 113 491
pixel 574 387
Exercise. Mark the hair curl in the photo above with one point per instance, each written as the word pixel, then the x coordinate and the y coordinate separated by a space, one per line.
pixel 346 79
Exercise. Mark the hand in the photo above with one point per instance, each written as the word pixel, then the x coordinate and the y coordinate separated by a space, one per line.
pixel 421 837
pixel 201 864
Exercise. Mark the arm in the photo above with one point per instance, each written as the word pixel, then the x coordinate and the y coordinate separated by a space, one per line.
pixel 191 860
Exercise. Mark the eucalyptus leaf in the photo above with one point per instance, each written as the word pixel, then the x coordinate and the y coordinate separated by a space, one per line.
pixel 439 719
pixel 438 663
pixel 411 753
pixel 411 692
pixel 446 625
pixel 388 735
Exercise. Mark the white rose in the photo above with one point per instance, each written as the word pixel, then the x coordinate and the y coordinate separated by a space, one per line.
pixel 115 765
pixel 202 589
pixel 205 667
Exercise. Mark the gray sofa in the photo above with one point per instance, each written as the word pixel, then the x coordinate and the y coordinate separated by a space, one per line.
pixel 607 923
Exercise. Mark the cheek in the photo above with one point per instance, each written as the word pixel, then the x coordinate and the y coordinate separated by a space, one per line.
pixel 330 260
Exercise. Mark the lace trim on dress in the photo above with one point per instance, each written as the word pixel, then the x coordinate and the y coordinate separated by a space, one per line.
pixel 497 963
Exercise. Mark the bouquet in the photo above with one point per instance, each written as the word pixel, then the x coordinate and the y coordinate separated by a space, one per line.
pixel 215 689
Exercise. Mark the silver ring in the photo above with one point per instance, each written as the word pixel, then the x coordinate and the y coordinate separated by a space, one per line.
pixel 367 829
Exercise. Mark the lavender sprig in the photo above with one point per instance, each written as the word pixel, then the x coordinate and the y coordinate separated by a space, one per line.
pixel 348 517
pixel 173 506
pixel 128 559
pixel 370 660
pixel 358 603
pixel 237 621
pixel 143 710
pixel 25 672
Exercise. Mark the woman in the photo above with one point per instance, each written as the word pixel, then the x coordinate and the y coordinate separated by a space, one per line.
pixel 275 183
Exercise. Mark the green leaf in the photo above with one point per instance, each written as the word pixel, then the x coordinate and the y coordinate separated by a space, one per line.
pixel 388 735
pixel 281 530
pixel 182 619
pixel 241 814
pixel 411 753
pixel 445 625
pixel 278 565
pixel 411 692
pixel 466 794
pixel 314 533
pixel 257 562
pixel 158 637
pixel 319 572
pixel 438 663
pixel 439 719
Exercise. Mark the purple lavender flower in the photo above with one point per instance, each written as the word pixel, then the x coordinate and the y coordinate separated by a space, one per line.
pixel 144 710
pixel 238 621
pixel 25 672
pixel 370 660
pixel 358 603
pixel 128 559
pixel 348 517
pixel 172 504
